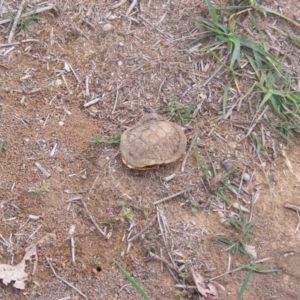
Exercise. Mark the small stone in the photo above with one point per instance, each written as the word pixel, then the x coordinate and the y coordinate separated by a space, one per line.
pixel 226 164
pixel 61 123
pixel 246 177
pixel 107 27
pixel 120 63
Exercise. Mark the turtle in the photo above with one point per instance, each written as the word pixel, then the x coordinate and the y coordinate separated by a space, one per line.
pixel 151 142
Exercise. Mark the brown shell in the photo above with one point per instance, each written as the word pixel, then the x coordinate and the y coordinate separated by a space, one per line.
pixel 152 141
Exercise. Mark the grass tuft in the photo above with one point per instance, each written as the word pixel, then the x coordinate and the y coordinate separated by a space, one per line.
pixel 133 282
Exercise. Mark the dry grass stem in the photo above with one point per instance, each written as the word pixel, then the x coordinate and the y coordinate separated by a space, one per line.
pixel 132 5
pixel 255 122
pixel 238 269
pixel 292 206
pixel 171 197
pixel 39 166
pixel 64 281
pixel 39 10
pixel 163 260
pixel 92 218
pixel 143 230
pixel 119 4
pixel 188 152
pixel 16 21
pixel 92 102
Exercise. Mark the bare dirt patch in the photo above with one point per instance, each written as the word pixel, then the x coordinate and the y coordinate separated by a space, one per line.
pixel 68 58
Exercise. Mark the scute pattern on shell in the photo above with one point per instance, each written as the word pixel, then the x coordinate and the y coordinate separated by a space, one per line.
pixel 152 141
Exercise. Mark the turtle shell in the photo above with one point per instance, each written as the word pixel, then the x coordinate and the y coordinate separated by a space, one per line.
pixel 152 141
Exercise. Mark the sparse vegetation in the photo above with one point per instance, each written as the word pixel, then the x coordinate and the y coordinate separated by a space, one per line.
pixel 25 22
pixel 180 111
pixel 42 190
pixel 272 84
pixel 133 282
pixel 112 141
pixel 3 146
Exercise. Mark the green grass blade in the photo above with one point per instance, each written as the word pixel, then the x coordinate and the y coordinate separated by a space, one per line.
pixel 235 56
pixel 244 285
pixel 200 38
pixel 266 10
pixel 295 40
pixel 133 282
pixel 223 64
pixel 212 11
pixel 265 99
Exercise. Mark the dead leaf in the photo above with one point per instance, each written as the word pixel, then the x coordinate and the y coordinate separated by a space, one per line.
pixel 17 273
pixel 198 279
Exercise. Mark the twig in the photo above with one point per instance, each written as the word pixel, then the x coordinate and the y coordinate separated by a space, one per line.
pixel 215 73
pixel 75 75
pixel 116 99
pixel 143 230
pixel 16 21
pixel 132 5
pixel 119 4
pixel 38 165
pixel 66 84
pixel 160 218
pixel 39 10
pixel 71 233
pixel 92 218
pixel 87 90
pixel 159 31
pixel 292 206
pixel 64 281
pixel 104 96
pixel 1 4
pixel 31 236
pixel 161 259
pixel 91 102
pixel 188 152
pixel 171 196
pixel 239 268
pixel 160 87
pixel 298 214
pixel 253 200
pixel 254 123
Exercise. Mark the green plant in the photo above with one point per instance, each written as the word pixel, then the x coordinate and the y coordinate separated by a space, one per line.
pixel 294 39
pixel 179 110
pixel 110 223
pixel 42 190
pixel 133 282
pixel 100 140
pixel 179 293
pixel 244 227
pixel 272 84
pixel 126 211
pixel 244 285
pixel 3 146
pixel 24 22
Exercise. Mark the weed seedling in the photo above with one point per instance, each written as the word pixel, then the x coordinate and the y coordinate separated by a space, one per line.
pixel 41 191
pixel 24 22
pixel 112 141
pixel 243 226
pixel 180 111
pixel 126 211
pixel 3 146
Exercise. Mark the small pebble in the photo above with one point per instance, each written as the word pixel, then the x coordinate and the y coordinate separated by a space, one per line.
pixel 107 27
pixel 61 123
pixel 246 177
pixel 226 164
